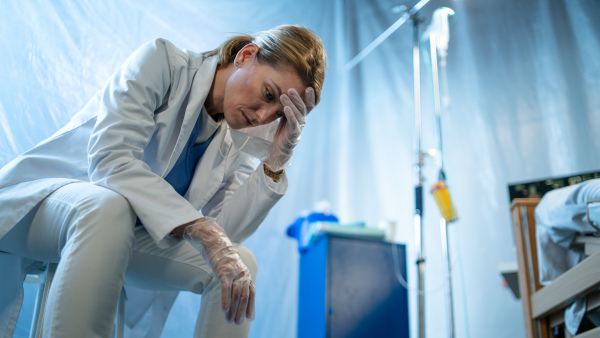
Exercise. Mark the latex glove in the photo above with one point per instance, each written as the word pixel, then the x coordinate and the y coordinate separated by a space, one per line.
pixel 237 287
pixel 288 132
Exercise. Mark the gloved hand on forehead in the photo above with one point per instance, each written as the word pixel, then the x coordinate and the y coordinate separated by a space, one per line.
pixel 237 287
pixel 289 129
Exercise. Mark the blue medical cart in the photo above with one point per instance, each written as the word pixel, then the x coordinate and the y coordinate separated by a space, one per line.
pixel 348 288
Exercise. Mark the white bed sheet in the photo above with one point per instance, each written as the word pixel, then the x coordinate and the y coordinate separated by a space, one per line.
pixel 561 216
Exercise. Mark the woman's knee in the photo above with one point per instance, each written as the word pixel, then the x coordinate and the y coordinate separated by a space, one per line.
pixel 108 205
pixel 87 208
pixel 248 258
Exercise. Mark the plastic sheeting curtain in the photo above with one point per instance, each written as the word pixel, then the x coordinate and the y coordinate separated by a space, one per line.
pixel 523 79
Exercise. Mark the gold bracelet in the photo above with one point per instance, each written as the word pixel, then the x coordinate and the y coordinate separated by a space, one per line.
pixel 274 175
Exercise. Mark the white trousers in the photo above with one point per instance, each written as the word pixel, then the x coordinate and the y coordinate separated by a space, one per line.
pixel 90 231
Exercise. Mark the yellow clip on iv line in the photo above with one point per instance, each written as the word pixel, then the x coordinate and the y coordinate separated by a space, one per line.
pixel 442 197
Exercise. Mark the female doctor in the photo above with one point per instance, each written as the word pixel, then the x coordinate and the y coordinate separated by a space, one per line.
pixel 153 183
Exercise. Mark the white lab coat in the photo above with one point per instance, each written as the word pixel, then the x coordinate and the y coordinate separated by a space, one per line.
pixel 130 135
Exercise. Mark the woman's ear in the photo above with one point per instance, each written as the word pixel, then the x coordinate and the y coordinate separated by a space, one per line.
pixel 247 53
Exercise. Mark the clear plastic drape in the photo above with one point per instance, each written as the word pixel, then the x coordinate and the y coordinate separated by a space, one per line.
pixel 523 82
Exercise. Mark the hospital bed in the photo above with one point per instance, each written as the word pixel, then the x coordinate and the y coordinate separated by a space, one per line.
pixel 550 309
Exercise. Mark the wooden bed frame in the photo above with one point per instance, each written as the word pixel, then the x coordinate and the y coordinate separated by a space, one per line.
pixel 543 306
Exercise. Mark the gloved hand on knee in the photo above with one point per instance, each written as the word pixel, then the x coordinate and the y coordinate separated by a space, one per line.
pixel 237 287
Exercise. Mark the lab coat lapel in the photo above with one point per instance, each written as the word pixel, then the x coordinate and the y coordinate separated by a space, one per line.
pixel 192 105
pixel 210 171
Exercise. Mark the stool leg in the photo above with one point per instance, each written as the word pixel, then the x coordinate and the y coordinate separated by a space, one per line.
pixel 38 304
pixel 37 324
pixel 121 315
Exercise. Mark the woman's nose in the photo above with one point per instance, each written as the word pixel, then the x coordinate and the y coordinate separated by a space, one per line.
pixel 265 115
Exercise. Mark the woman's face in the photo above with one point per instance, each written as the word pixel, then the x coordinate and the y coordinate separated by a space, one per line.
pixel 252 93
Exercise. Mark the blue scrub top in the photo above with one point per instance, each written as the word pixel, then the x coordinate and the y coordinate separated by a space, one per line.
pixel 181 175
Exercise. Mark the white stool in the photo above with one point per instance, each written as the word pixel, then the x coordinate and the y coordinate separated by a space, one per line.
pixel 43 276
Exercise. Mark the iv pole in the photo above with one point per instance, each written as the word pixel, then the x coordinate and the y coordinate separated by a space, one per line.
pixel 442 176
pixel 407 15
pixel 418 212
pixel 439 25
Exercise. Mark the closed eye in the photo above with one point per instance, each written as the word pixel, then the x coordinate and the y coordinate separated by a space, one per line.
pixel 270 96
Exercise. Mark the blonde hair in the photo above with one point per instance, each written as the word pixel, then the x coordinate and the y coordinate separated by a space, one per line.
pixel 279 47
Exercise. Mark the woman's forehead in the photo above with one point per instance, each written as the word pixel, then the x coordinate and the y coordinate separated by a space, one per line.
pixel 284 78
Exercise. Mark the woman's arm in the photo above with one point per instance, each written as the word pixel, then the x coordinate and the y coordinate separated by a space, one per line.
pixel 244 200
pixel 243 203
pixel 125 124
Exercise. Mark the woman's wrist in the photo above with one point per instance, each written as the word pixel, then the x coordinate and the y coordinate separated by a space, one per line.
pixel 274 175
pixel 180 229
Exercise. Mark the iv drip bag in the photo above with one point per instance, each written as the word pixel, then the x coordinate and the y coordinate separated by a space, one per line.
pixel 440 27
